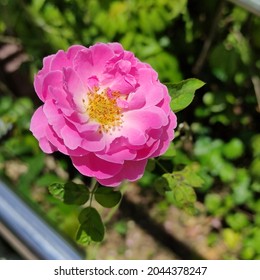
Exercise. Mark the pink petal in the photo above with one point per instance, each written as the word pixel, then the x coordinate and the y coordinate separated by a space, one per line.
pixel 100 54
pixel 38 123
pixel 116 47
pixel 73 51
pixel 125 84
pixel 54 116
pixel 91 62
pixel 93 141
pixel 93 166
pixel 164 104
pixel 74 86
pixel 50 111
pixel 52 79
pixel 136 100
pixel 135 136
pixel 146 119
pixel 47 63
pixel 152 90
pixel 167 136
pixel 147 151
pixel 38 127
pixel 118 152
pixel 124 66
pixel 38 79
pixel 46 146
pixel 62 101
pixel 131 171
pixel 82 123
pixel 60 61
pixel 58 143
pixel 70 137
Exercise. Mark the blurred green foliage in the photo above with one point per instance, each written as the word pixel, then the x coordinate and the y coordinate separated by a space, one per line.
pixel 217 143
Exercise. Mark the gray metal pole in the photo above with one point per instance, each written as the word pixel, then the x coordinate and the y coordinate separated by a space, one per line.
pixel 29 233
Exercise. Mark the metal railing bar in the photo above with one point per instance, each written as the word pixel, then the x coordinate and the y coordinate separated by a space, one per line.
pixel 252 6
pixel 16 244
pixel 30 230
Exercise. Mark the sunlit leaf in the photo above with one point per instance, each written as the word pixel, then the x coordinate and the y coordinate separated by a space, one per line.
pixel 184 195
pixel 188 176
pixel 213 202
pixel 57 190
pixel 182 93
pixel 234 149
pixel 237 221
pixel 255 143
pixel 231 238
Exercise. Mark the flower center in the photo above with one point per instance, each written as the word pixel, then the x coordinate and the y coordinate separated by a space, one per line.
pixel 102 108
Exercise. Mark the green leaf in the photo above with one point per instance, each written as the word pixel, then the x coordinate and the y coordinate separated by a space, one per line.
pixel 182 93
pixel 161 185
pixel 178 187
pixel 224 62
pixel 107 197
pixel 184 195
pixel 170 153
pixel 237 221
pixel 46 179
pixel 150 165
pixel 91 224
pixel 255 143
pixel 231 238
pixel 188 176
pixel 70 193
pixel 233 149
pixel 82 237
pixel 57 190
pixel 213 203
pixel 75 193
pixel 248 253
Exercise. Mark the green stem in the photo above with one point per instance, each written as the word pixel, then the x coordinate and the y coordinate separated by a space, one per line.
pixel 162 167
pixel 114 209
pixel 92 192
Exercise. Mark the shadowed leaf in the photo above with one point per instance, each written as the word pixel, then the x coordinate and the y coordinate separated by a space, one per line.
pixel 107 197
pixel 70 192
pixel 91 224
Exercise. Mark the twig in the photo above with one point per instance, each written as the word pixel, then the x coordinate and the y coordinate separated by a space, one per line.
pixel 256 84
pixel 207 44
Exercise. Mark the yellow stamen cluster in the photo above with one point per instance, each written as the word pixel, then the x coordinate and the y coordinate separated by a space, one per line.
pixel 103 109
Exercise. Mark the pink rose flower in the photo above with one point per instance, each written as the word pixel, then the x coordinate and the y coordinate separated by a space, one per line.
pixel 103 108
